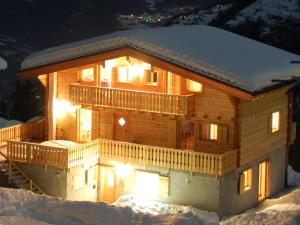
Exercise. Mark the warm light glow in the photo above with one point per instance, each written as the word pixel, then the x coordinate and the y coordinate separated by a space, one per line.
pixel 213 131
pixel 275 121
pixel 85 124
pixel 122 121
pixel 123 170
pixel 61 107
pixel 111 179
pixel 247 179
pixel 87 74
pixel 147 185
pixel 122 77
pixel 193 86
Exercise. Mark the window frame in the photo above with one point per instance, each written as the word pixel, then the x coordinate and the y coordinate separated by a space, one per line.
pixel 246 180
pixel 271 122
pixel 187 86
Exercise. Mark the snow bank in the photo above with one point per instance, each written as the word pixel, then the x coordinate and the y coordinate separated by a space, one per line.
pixel 284 210
pixel 293 177
pixel 8 123
pixel 3 64
pixel 23 207
pixel 157 208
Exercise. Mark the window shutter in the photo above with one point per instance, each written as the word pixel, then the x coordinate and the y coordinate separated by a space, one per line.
pixel 241 183
pixel 172 133
pixel 115 72
pixel 95 124
pixel 223 134
pixel 204 131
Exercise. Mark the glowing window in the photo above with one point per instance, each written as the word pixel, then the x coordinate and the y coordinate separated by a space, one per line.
pixel 275 122
pixel 87 74
pixel 193 86
pixel 122 74
pixel 209 131
pixel 122 121
pixel 245 181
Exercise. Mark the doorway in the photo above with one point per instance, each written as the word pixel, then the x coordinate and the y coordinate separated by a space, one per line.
pixel 188 135
pixel 108 184
pixel 121 127
pixel 263 180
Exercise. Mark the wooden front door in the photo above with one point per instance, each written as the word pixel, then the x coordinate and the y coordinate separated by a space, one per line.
pixel 108 184
pixel 121 127
pixel 188 135
pixel 263 180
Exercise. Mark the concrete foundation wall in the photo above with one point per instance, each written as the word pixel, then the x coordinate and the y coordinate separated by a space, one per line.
pixel 51 180
pixel 82 184
pixel 231 202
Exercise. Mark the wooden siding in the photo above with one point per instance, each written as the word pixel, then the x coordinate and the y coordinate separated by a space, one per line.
pixel 256 137
pixel 66 126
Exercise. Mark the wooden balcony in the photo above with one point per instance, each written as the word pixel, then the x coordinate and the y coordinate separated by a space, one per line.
pixel 133 100
pixel 108 150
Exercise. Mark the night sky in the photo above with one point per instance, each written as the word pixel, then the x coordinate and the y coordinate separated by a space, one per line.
pixel 44 23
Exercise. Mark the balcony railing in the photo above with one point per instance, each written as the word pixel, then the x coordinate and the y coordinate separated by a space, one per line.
pixel 29 130
pixel 108 150
pixel 133 100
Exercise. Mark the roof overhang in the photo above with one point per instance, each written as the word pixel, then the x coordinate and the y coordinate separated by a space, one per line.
pixel 97 58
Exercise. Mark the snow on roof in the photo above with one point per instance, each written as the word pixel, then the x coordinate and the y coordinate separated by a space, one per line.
pixel 212 52
pixel 3 64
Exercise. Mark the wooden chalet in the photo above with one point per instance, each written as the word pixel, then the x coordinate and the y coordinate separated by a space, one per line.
pixel 186 114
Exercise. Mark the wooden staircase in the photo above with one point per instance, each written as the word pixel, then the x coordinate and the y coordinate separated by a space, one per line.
pixel 16 177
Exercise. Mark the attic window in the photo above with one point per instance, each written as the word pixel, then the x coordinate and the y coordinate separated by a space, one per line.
pixel 87 74
pixel 193 86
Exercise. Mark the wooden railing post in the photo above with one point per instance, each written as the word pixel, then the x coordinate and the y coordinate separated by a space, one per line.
pixel 9 171
pixel 30 185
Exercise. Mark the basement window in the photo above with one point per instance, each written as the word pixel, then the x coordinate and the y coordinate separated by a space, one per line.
pixel 245 181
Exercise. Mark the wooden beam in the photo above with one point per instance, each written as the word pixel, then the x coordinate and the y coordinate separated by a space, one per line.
pixel 51 114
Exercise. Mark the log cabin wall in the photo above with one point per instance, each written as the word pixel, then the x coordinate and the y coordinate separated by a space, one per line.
pixel 66 126
pixel 255 117
pixel 212 106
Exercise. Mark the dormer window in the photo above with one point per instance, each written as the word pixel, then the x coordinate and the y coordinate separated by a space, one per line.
pixel 193 86
pixel 87 74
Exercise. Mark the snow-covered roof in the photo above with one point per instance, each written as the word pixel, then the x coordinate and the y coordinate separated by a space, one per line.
pixel 212 52
pixel 3 64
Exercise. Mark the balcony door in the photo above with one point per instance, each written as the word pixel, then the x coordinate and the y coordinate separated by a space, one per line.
pixel 263 180
pixel 188 135
pixel 85 125
pixel 121 127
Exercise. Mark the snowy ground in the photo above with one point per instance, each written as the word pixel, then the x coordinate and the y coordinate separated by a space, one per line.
pixel 23 207
pixel 3 64
pixel 271 11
